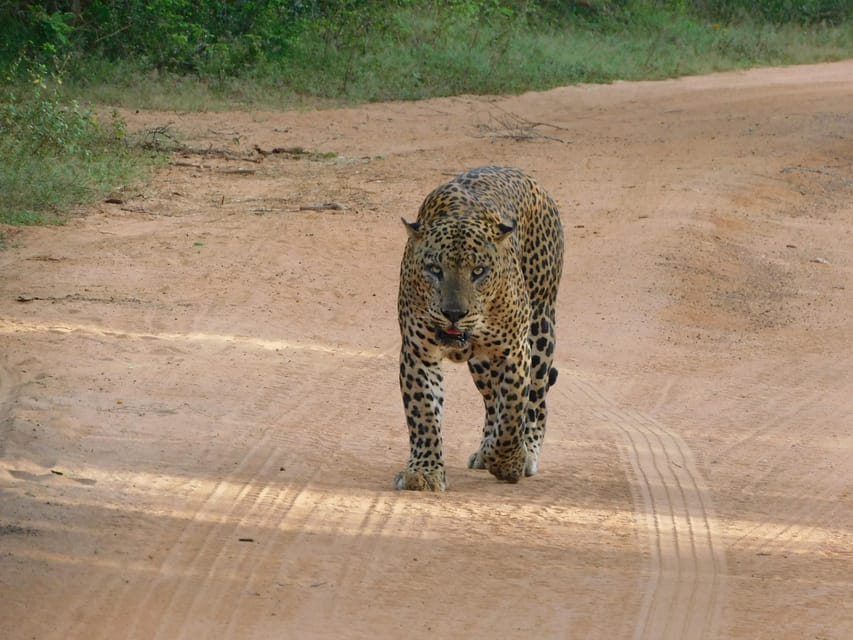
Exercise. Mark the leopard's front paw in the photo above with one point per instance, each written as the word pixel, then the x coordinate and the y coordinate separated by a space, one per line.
pixel 420 480
pixel 509 468
pixel 477 460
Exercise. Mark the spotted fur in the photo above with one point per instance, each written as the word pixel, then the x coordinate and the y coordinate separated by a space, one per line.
pixel 478 284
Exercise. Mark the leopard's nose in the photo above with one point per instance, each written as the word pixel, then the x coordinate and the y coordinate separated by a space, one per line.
pixel 454 314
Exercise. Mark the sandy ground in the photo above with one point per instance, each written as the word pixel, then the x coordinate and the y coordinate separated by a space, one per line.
pixel 199 412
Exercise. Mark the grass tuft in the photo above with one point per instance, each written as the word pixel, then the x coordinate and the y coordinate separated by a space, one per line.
pixel 57 154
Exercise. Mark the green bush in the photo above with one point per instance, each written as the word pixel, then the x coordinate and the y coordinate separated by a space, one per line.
pixel 55 153
pixel 339 42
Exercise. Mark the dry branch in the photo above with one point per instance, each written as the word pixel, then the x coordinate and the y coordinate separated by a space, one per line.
pixel 508 125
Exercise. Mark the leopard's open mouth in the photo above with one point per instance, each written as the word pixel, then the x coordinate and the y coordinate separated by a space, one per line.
pixel 452 336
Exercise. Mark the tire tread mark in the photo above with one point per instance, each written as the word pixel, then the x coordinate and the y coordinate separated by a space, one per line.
pixel 683 594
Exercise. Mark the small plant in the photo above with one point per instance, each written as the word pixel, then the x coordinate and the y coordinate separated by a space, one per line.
pixel 41 121
pixel 56 153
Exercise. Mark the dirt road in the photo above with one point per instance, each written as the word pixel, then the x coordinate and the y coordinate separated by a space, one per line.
pixel 199 413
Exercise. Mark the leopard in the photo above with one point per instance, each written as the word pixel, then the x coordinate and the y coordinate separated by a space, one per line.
pixel 478 285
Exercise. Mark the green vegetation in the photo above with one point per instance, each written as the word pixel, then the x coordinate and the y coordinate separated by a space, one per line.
pixel 55 153
pixel 201 55
pixel 146 53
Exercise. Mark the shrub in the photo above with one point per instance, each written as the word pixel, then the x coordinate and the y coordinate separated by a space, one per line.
pixel 55 152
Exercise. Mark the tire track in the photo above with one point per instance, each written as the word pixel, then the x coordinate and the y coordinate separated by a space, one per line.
pixel 251 506
pixel 205 562
pixel 685 583
pixel 167 585
pixel 219 545
pixel 790 481
pixel 9 385
pixel 816 475
pixel 814 520
pixel 322 542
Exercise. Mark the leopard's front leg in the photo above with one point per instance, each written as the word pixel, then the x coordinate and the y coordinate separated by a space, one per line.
pixel 505 385
pixel 509 453
pixel 421 383
pixel 481 374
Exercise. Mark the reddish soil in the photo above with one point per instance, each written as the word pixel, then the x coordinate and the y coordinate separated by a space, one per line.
pixel 199 413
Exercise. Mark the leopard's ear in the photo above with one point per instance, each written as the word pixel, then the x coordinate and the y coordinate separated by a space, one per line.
pixel 505 230
pixel 412 228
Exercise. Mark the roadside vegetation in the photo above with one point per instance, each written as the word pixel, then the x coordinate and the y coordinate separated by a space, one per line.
pixel 54 152
pixel 59 59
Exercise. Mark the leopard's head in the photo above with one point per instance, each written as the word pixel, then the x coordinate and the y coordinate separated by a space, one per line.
pixel 458 264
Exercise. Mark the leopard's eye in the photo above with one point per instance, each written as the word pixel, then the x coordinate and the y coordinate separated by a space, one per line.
pixel 434 269
pixel 478 272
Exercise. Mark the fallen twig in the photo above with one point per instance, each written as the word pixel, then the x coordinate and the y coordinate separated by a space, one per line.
pixel 239 171
pixel 183 163
pixel 76 297
pixel 296 153
pixel 322 206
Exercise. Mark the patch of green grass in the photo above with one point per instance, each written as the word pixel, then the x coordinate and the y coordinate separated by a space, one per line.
pixel 513 59
pixel 422 50
pixel 56 153
pixel 44 189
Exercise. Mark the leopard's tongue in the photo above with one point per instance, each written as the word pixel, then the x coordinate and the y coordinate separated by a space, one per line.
pixel 453 331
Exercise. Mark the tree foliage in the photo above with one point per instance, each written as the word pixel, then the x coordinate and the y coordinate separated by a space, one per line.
pixel 228 38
